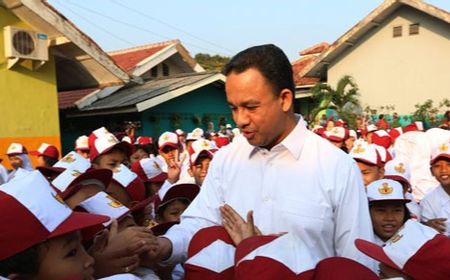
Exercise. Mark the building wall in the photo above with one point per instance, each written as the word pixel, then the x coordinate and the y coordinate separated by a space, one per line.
pixel 206 101
pixel 29 107
pixel 401 71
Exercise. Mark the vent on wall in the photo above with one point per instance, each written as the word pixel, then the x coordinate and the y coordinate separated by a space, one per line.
pixel 414 29
pixel 25 44
pixel 397 31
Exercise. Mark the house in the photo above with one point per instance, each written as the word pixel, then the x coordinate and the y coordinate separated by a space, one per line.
pixel 41 53
pixel 176 92
pixel 398 55
pixel 303 102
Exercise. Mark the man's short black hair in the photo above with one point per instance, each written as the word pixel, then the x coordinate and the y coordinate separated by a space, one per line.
pixel 270 61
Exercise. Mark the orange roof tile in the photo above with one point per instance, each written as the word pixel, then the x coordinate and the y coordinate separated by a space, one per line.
pixel 67 99
pixel 129 58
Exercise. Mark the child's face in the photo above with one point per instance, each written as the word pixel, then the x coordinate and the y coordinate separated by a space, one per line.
pixel 111 160
pixel 387 218
pixel 370 173
pixel 83 153
pixel 441 170
pixel 15 161
pixel 169 153
pixel 63 257
pixel 41 161
pixel 138 155
pixel 200 170
pixel 173 211
pixel 152 188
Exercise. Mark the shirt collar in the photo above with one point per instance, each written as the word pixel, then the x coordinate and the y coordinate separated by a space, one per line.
pixel 293 142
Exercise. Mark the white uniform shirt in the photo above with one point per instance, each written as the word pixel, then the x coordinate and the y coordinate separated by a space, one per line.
pixel 436 204
pixel 304 185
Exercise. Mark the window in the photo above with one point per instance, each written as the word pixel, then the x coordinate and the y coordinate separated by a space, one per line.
pixel 397 31
pixel 414 29
pixel 165 69
pixel 154 71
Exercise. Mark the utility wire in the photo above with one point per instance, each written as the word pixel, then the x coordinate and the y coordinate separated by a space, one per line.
pixel 172 26
pixel 96 25
pixel 132 25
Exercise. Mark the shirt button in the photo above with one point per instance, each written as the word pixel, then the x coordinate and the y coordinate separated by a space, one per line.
pixel 266 199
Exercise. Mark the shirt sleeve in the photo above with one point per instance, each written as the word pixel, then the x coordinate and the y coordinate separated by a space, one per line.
pixel 427 210
pixel 202 212
pixel 352 218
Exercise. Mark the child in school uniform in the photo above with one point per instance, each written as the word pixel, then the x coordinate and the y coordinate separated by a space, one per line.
pixel 47 155
pixel 18 158
pixel 82 146
pixel 368 160
pixel 435 205
pixel 41 234
pixel 387 205
pixel 200 158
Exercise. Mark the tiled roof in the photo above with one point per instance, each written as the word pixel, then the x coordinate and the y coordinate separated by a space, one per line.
pixel 67 99
pixel 309 56
pixel 316 49
pixel 129 58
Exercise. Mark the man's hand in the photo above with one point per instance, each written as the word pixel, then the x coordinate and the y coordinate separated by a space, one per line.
pixel 235 225
pixel 438 224
pixel 121 254
pixel 163 251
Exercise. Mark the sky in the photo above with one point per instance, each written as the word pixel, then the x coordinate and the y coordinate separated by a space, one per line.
pixel 218 27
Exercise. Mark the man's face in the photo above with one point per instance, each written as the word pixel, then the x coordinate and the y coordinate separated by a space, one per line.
pixel 441 171
pixel 257 111
pixel 169 153
pixel 387 218
pixel 64 257
pixel 370 173
pixel 15 161
pixel 200 169
pixel 111 160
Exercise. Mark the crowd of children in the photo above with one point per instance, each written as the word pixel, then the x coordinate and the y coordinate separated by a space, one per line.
pixel 96 212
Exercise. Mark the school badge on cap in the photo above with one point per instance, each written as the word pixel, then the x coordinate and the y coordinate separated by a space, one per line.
pixel 359 149
pixel 400 168
pixel 385 189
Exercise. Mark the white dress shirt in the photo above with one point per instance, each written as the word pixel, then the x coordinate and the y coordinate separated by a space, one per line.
pixel 304 185
pixel 436 204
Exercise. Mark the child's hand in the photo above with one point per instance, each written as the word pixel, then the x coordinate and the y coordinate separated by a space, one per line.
pixel 174 169
pixel 235 225
pixel 438 224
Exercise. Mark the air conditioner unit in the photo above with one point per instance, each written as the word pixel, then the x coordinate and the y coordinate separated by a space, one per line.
pixel 25 44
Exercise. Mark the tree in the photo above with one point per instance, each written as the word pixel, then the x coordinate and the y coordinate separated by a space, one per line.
pixel 344 99
pixel 212 63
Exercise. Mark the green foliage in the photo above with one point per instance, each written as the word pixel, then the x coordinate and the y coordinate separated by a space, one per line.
pixel 428 111
pixel 212 63
pixel 175 121
pixel 196 120
pixel 206 119
pixel 344 99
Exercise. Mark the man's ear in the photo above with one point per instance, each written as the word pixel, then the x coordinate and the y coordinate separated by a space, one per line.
pixel 287 99
pixel 191 173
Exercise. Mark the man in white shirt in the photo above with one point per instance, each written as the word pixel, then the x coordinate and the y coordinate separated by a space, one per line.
pixel 293 180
